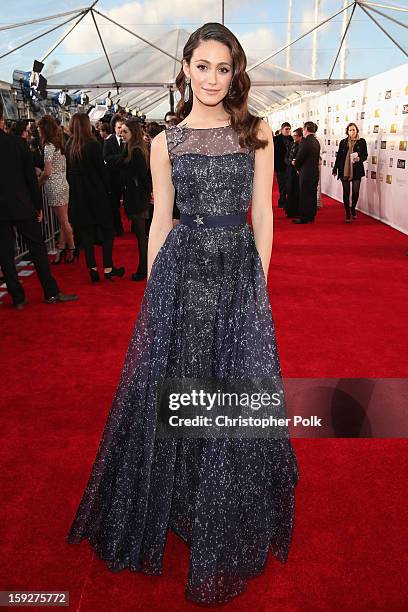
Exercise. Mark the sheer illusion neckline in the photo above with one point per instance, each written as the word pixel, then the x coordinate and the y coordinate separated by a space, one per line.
pixel 220 127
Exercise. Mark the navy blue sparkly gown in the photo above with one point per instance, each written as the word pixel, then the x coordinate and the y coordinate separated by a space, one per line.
pixel 205 313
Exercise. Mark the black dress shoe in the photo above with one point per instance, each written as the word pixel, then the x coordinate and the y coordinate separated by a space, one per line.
pixel 114 272
pixel 20 305
pixel 300 221
pixel 61 297
pixel 94 275
pixel 139 276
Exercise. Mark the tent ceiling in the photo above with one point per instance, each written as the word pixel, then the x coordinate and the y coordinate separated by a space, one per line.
pixel 142 68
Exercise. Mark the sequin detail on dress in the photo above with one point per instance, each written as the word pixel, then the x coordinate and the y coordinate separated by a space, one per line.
pixel 205 312
pixel 56 188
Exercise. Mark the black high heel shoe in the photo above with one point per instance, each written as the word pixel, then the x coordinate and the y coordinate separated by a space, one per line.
pixel 60 256
pixel 73 255
pixel 94 274
pixel 139 276
pixel 114 272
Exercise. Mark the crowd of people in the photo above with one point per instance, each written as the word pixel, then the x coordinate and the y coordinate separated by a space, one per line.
pixel 87 172
pixel 298 160
pixel 21 207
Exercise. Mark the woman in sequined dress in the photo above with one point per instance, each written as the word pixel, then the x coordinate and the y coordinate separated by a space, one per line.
pixel 205 314
pixel 55 184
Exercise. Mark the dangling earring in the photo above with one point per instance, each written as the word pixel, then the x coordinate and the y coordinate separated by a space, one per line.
pixel 187 90
pixel 230 88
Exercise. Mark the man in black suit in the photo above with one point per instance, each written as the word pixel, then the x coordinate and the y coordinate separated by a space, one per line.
pixel 307 165
pixel 21 207
pixel 281 144
pixel 113 147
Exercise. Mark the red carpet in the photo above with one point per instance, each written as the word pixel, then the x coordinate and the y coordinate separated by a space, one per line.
pixel 339 296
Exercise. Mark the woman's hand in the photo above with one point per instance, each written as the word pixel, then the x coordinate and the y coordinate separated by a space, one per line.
pixel 356 159
pixel 42 178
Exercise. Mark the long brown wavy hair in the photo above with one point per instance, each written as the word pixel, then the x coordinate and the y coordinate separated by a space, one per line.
pixel 236 101
pixel 51 132
pixel 81 132
pixel 137 140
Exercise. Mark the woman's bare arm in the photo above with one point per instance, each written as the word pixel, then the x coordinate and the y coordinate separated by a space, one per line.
pixel 46 173
pixel 163 193
pixel 261 209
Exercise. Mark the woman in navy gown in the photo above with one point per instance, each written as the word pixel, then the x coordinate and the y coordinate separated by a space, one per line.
pixel 205 314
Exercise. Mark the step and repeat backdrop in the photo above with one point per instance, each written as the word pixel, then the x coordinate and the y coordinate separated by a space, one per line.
pixel 379 106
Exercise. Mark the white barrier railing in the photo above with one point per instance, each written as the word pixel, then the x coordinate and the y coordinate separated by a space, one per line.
pixel 49 228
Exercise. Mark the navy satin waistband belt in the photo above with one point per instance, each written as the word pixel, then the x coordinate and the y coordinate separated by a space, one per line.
pixel 198 220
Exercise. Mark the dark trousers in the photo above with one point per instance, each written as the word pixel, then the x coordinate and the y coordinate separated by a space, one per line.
pixel 89 236
pixel 308 196
pixel 117 219
pixel 292 202
pixel 30 229
pixel 281 176
pixel 355 192
pixel 139 228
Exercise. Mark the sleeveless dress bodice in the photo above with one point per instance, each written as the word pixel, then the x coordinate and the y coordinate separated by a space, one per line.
pixel 211 173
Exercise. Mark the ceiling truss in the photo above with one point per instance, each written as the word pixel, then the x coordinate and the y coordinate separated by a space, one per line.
pixel 260 102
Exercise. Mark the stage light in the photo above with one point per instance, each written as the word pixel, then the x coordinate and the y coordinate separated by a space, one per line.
pixel 108 101
pixel 36 82
pixel 37 66
pixel 62 98
pixel 81 98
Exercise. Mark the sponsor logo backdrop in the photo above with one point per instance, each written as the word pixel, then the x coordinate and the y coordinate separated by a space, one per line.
pixel 379 106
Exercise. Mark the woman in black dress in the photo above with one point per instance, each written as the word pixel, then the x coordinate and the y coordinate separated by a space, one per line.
pixel 292 177
pixel 349 167
pixel 137 188
pixel 89 207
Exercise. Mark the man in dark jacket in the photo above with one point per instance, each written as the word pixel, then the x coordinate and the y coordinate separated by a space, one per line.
pixel 307 164
pixel 21 207
pixel 281 144
pixel 113 148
